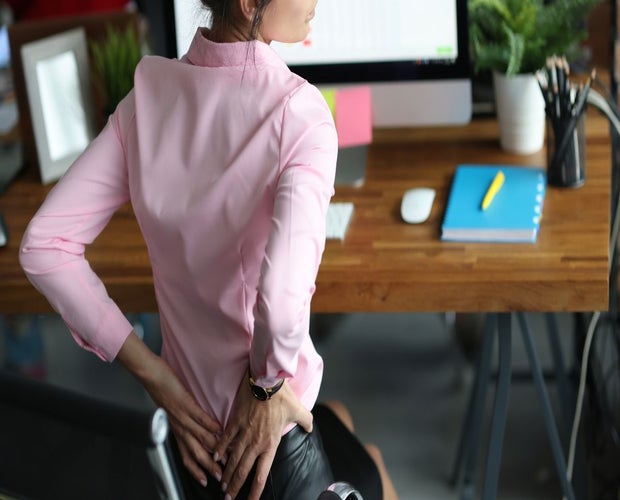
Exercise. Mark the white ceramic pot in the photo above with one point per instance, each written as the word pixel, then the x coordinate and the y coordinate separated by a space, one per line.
pixel 520 112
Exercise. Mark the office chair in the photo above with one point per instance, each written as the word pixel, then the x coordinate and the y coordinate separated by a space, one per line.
pixel 55 443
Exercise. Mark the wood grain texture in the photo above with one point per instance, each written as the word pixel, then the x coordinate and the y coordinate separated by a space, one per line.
pixel 385 264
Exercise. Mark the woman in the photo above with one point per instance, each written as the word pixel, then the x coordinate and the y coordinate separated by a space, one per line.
pixel 228 160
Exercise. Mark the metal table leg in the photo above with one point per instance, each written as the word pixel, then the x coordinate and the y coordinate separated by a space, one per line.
pixel 471 433
pixel 552 430
pixel 500 408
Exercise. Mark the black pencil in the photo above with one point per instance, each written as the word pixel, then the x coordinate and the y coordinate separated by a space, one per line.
pixel 569 126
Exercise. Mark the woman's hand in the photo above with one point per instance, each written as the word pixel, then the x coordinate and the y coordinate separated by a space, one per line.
pixel 194 429
pixel 253 433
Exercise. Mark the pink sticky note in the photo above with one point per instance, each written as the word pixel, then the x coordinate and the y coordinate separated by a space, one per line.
pixel 354 116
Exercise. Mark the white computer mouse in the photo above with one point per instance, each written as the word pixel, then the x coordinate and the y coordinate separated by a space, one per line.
pixel 416 204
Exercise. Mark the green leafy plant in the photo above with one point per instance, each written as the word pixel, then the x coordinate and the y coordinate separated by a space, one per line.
pixel 517 36
pixel 115 59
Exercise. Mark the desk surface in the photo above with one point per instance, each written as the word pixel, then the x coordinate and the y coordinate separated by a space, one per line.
pixel 385 264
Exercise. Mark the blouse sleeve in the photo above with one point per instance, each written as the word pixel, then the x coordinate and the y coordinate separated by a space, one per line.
pixel 308 152
pixel 52 249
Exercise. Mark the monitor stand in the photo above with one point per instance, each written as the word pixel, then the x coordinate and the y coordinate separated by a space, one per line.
pixel 351 166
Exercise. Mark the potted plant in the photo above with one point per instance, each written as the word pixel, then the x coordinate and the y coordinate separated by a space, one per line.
pixel 115 59
pixel 513 39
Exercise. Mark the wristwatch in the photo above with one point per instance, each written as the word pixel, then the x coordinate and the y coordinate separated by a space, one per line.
pixel 264 393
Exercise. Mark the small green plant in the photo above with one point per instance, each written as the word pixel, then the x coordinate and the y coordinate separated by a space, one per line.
pixel 517 36
pixel 115 59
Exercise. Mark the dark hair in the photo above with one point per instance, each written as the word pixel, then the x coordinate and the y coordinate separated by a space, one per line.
pixel 223 15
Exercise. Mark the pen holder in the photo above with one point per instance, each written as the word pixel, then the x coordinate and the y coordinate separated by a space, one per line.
pixel 569 170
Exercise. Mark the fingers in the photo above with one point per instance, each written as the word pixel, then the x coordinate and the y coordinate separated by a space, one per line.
pixel 305 419
pixel 220 449
pixel 298 413
pixel 263 466
pixel 189 416
pixel 237 470
pixel 191 465
pixel 232 455
pixel 197 418
pixel 196 456
pixel 238 454
pixel 203 419
pixel 207 438
pixel 195 431
pixel 240 463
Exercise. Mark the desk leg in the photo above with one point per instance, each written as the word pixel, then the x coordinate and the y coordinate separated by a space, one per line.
pixel 471 432
pixel 552 430
pixel 500 408
pixel 560 370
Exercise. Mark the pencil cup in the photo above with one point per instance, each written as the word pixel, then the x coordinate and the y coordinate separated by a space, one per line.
pixel 569 170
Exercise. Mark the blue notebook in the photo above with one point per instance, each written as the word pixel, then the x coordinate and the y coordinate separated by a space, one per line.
pixel 514 214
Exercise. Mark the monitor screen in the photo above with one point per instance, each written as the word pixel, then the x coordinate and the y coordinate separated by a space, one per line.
pixel 412 53
pixel 365 31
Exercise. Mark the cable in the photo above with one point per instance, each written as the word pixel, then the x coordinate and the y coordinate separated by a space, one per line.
pixel 606 107
pixel 607 95
pixel 611 111
pixel 580 394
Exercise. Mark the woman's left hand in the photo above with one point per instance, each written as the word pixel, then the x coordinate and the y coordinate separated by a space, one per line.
pixel 253 434
pixel 194 429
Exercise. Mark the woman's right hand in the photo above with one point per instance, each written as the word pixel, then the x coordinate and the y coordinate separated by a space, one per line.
pixel 196 432
pixel 252 435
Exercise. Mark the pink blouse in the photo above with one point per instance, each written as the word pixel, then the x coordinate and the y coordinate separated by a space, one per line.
pixel 228 160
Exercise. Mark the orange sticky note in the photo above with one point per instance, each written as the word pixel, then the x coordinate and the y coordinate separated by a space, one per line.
pixel 354 116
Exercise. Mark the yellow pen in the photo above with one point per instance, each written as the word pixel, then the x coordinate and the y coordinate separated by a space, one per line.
pixel 494 188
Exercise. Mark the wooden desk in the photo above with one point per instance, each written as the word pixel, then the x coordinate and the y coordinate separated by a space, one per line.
pixel 385 264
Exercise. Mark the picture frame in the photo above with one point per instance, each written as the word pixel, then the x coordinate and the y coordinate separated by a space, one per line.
pixel 57 80
pixel 96 26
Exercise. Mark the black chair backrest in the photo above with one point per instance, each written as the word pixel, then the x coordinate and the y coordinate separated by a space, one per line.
pixel 56 443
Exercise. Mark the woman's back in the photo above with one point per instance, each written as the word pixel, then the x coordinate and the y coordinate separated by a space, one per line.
pixel 205 152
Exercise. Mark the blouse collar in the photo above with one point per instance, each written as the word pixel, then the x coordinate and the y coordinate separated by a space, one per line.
pixel 204 52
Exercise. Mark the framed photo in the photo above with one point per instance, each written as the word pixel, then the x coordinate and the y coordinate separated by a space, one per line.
pixel 57 78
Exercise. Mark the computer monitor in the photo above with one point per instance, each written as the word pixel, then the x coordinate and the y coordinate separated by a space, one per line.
pixel 412 53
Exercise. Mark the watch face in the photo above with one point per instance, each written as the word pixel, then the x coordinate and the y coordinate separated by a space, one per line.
pixel 264 393
pixel 260 393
